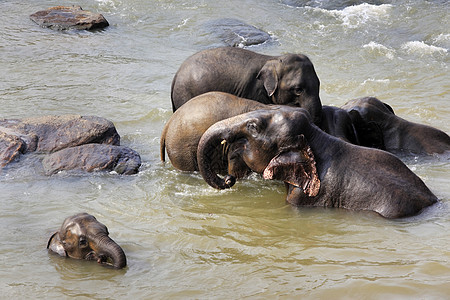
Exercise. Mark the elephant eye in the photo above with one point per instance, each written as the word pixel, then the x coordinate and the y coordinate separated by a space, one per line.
pixel 298 90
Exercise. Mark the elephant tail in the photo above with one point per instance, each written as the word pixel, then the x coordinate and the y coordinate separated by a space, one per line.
pixel 162 142
pixel 162 149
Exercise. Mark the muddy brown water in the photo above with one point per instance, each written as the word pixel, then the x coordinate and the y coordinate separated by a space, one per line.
pixel 183 239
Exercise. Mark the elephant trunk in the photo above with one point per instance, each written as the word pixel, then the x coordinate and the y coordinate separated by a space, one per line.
pixel 211 151
pixel 108 249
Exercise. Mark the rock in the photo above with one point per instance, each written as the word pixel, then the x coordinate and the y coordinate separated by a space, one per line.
pixel 235 33
pixel 53 133
pixel 11 147
pixel 93 157
pixel 69 17
pixel 72 142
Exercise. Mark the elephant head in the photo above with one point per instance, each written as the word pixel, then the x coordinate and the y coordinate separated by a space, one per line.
pixel 82 237
pixel 267 141
pixel 378 126
pixel 292 80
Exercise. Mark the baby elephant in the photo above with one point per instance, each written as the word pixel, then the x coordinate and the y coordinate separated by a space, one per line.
pixel 83 237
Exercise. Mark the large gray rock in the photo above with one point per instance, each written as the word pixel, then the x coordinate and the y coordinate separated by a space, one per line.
pixel 93 157
pixel 235 33
pixel 69 17
pixel 52 133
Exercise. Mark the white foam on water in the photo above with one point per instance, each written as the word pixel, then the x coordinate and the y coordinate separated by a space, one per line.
pixel 370 80
pixel 422 48
pixel 354 16
pixel 376 47
pixel 109 3
pixel 442 38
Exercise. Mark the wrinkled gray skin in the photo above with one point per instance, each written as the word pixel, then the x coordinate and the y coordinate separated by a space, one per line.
pixel 184 129
pixel 289 79
pixel 319 170
pixel 379 127
pixel 82 237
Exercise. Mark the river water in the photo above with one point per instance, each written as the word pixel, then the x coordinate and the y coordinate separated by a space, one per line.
pixel 183 239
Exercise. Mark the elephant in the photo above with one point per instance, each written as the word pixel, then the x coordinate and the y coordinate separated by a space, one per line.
pixel 282 143
pixel 288 79
pixel 184 129
pixel 81 236
pixel 378 127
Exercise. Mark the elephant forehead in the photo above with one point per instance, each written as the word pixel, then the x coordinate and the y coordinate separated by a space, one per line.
pixel 281 125
pixel 75 229
pixel 291 78
pixel 293 59
pixel 288 115
pixel 279 118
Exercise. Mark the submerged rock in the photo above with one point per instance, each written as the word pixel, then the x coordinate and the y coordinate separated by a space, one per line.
pixel 236 33
pixel 93 157
pixel 69 17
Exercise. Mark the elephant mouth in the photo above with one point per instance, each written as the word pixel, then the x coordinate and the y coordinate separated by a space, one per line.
pixel 91 256
pixel 100 258
pixel 295 167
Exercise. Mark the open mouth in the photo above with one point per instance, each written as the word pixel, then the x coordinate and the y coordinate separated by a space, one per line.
pixel 296 167
pixel 91 256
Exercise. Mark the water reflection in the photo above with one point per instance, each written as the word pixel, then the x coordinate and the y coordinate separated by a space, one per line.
pixel 80 270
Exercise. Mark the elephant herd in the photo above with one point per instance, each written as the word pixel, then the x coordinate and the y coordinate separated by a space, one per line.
pixel 326 156
pixel 238 112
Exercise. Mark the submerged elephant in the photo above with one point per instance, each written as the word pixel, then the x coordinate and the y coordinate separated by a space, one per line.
pixel 289 79
pixel 83 237
pixel 184 129
pixel 282 143
pixel 379 127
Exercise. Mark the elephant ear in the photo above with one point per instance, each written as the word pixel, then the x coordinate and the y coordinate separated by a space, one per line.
pixel 54 244
pixel 297 168
pixel 268 74
pixel 388 107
